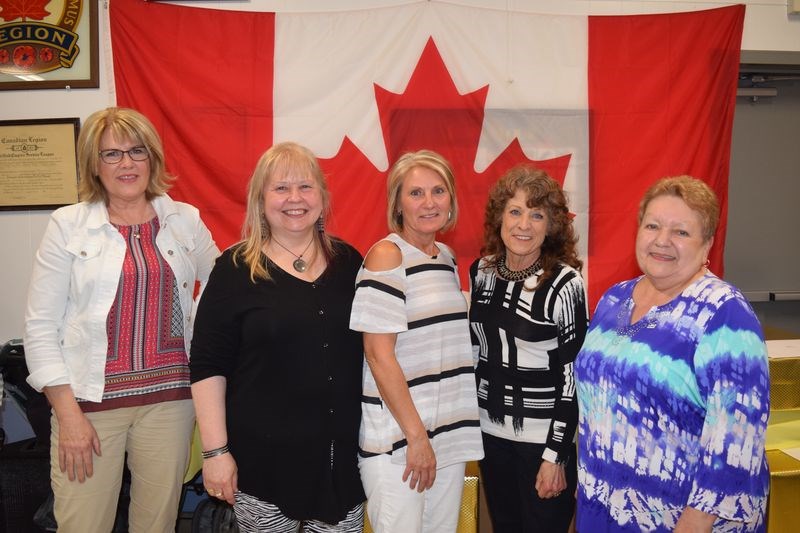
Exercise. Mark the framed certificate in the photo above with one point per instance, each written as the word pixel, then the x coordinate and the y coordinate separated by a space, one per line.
pixel 38 163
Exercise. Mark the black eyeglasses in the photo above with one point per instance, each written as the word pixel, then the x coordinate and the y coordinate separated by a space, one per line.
pixel 114 156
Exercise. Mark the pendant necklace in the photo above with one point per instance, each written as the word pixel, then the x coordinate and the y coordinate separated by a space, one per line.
pixel 136 229
pixel 299 264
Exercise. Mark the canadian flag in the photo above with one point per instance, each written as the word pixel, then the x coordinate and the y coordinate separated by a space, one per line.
pixel 606 105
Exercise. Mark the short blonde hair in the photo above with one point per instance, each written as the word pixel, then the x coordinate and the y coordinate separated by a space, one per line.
pixel 123 123
pixel 279 160
pixel 697 195
pixel 401 168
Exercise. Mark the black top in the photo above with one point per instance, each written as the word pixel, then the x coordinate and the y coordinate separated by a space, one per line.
pixel 293 370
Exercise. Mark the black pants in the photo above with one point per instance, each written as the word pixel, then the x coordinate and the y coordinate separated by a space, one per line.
pixel 508 474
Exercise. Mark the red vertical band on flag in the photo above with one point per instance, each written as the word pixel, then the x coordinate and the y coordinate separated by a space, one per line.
pixel 662 92
pixel 205 79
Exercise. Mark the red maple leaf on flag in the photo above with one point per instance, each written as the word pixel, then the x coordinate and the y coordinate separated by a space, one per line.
pixel 23 9
pixel 429 114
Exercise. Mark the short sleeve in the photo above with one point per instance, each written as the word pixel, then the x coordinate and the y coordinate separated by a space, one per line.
pixel 379 305
pixel 215 344
pixel 452 256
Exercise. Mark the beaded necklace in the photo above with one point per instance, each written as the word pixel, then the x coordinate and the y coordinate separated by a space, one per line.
pixel 516 275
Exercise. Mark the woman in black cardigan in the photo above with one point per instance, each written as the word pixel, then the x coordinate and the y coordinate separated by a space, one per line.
pixel 275 369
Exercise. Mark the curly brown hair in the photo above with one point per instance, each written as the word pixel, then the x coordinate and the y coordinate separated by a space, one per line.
pixel 560 244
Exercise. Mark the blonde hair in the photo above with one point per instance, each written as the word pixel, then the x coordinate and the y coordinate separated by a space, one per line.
pixel 279 160
pixel 401 168
pixel 124 124
pixel 697 195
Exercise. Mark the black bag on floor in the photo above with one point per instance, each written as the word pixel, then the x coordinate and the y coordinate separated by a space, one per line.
pixel 214 516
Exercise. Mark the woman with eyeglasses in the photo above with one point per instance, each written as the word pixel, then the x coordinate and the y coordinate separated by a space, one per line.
pixel 107 329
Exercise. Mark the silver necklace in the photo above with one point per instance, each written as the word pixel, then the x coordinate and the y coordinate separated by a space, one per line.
pixel 517 275
pixel 299 264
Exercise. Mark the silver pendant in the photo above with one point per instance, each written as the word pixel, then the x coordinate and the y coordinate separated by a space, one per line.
pixel 300 265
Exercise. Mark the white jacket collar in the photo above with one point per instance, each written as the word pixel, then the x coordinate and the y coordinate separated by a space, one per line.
pixel 163 205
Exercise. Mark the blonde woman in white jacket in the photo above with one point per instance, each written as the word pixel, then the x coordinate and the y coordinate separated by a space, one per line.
pixel 108 327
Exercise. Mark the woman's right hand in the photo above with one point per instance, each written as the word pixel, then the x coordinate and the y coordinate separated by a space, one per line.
pixel 220 477
pixel 420 464
pixel 77 439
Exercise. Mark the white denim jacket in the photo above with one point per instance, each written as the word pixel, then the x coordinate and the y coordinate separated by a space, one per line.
pixel 74 282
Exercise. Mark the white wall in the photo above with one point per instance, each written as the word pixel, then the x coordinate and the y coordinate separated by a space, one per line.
pixel 762 249
pixel 767 27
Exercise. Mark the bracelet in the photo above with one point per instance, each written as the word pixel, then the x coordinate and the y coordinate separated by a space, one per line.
pixel 215 452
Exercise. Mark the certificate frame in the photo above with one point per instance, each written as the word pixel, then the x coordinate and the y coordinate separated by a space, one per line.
pixel 38 163
pixel 50 45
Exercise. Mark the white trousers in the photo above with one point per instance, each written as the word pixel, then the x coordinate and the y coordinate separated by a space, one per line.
pixel 392 506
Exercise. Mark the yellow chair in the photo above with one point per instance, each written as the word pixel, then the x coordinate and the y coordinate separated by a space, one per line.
pixel 468 517
pixel 195 457
pixel 783 433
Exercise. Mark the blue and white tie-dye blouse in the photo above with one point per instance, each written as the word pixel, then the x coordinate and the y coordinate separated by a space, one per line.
pixel 673 412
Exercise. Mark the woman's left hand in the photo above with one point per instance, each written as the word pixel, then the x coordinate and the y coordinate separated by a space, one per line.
pixel 221 477
pixel 550 480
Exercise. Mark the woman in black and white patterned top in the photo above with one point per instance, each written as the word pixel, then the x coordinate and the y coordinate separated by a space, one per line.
pixel 419 408
pixel 528 319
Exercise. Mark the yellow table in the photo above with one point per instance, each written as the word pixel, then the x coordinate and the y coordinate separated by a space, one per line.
pixel 783 509
pixel 784 374
pixel 784 485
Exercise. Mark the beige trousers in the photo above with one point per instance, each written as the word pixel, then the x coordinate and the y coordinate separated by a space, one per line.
pixel 156 439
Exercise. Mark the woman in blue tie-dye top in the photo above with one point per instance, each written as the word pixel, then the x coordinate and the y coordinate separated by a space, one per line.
pixel 673 385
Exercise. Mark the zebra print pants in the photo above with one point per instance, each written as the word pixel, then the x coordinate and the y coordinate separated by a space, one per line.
pixel 257 516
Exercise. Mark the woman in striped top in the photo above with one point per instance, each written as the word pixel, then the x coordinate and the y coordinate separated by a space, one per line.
pixel 419 408
pixel 528 318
